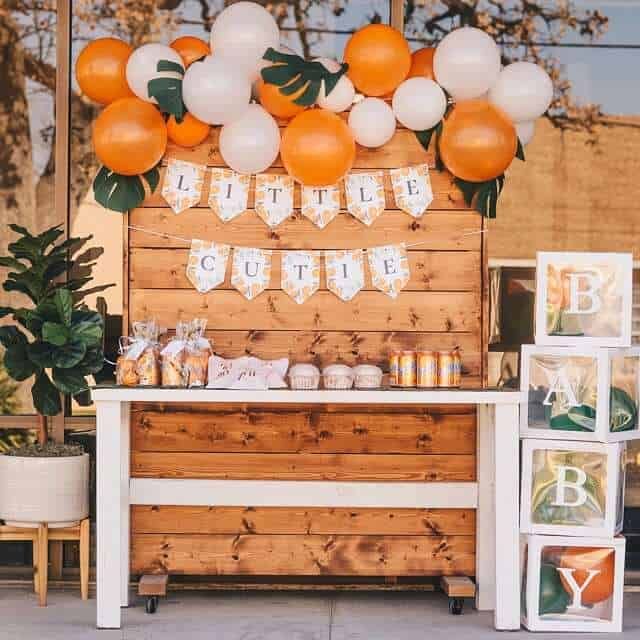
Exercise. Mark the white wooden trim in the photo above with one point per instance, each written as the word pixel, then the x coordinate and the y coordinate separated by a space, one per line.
pixel 323 396
pixel 294 493
pixel 125 460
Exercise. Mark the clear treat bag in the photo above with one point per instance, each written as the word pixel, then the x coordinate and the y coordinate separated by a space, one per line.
pixel 138 364
pixel 197 354
pixel 173 357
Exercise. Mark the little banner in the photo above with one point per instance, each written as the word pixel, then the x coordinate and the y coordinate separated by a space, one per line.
pixel 365 195
pixel 228 193
pixel 207 264
pixel 345 272
pixel 182 186
pixel 300 274
pixel 412 189
pixel 389 267
pixel 251 271
pixel 274 198
pixel 321 204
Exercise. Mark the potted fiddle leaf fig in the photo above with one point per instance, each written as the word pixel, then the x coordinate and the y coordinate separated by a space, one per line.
pixel 55 342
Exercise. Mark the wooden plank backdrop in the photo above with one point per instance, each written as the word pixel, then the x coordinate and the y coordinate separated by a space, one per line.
pixel 442 306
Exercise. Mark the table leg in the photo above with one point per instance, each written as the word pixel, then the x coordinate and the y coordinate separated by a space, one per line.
pixel 507 525
pixel 112 510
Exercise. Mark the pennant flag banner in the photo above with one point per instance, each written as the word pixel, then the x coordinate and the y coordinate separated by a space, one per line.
pixel 182 186
pixel 274 198
pixel 320 204
pixel 251 271
pixel 365 195
pixel 207 264
pixel 345 272
pixel 389 267
pixel 300 274
pixel 228 193
pixel 412 189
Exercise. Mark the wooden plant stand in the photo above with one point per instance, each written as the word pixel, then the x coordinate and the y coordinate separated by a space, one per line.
pixel 40 537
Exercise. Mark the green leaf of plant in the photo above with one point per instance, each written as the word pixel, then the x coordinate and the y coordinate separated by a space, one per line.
pixel 168 93
pixel 309 95
pixel 152 177
pixel 6 311
pixel 18 364
pixel 169 65
pixel 42 354
pixel 10 336
pixel 69 381
pixel 70 355
pixel 93 361
pixel 562 422
pixel 279 74
pixel 295 85
pixel 64 305
pixel 89 332
pixel 584 416
pixel 46 398
pixel 424 137
pixel 55 333
pixel 623 411
pixel 553 597
pixel 520 151
pixel 117 192
pixel 12 263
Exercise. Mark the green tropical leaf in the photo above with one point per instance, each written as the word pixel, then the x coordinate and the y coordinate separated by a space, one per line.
pixel 152 178
pixel 562 422
pixel 12 263
pixel 17 362
pixel 584 416
pixel 42 354
pixel 46 398
pixel 168 93
pixel 425 137
pixel 64 305
pixel 520 151
pixel 169 65
pixel 55 333
pixel 69 355
pixel 6 311
pixel 623 412
pixel 69 381
pixel 309 95
pixel 93 361
pixel 117 192
pixel 553 597
pixel 89 332
pixel 10 336
pixel 484 194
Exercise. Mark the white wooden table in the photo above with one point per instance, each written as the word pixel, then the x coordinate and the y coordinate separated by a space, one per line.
pixel 494 495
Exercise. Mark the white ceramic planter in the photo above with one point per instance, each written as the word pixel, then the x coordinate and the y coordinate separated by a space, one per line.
pixel 51 490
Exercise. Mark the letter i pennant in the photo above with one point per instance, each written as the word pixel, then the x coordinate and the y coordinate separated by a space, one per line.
pixel 182 186
pixel 345 272
pixel 228 193
pixel 389 267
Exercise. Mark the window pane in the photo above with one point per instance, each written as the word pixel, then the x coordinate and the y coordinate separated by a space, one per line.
pixel 27 131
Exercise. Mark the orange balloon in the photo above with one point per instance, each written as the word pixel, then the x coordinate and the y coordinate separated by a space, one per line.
pixel 188 133
pixel 422 63
pixel 190 49
pixel 582 559
pixel 317 148
pixel 478 141
pixel 379 59
pixel 100 70
pixel 130 136
pixel 276 103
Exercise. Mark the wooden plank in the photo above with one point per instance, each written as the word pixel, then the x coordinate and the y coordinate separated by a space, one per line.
pixel 290 520
pixel 153 585
pixel 303 431
pixel 458 586
pixel 445 194
pixel 304 466
pixel 438 230
pixel 303 555
pixel 402 150
pixel 430 271
pixel 275 310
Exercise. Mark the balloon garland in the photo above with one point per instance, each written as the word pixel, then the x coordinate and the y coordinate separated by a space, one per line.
pixel 477 114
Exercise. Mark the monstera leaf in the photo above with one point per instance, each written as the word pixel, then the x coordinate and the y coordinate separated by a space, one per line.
pixel 293 74
pixel 623 413
pixel 483 195
pixel 122 193
pixel 168 90
pixel 553 597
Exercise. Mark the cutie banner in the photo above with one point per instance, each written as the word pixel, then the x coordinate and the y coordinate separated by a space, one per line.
pixel 274 198
pixel 182 186
pixel 389 267
pixel 300 274
pixel 412 189
pixel 228 193
pixel 320 204
pixel 365 195
pixel 251 271
pixel 207 264
pixel 345 272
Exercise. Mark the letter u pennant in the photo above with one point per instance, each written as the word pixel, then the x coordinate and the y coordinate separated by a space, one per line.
pixel 251 271
pixel 389 267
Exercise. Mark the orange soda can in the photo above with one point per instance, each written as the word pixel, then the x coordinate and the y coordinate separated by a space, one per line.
pixel 407 377
pixel 394 368
pixel 446 369
pixel 426 369
pixel 457 369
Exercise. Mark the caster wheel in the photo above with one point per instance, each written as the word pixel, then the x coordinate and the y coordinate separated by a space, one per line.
pixel 151 605
pixel 455 606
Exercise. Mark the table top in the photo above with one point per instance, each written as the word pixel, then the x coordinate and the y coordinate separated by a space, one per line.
pixel 113 393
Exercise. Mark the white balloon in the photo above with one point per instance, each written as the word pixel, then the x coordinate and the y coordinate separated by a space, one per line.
pixel 525 131
pixel 342 95
pixel 523 91
pixel 142 67
pixel 213 92
pixel 251 143
pixel 419 103
pixel 372 122
pixel 242 33
pixel 466 63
